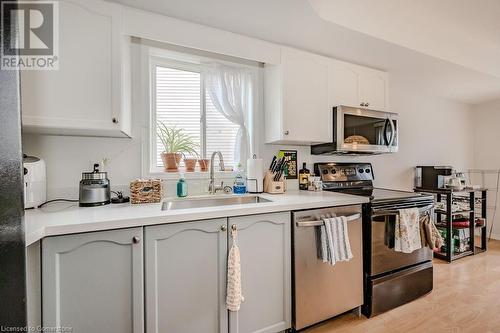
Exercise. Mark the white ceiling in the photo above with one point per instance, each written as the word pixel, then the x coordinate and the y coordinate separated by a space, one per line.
pixel 448 68
pixel 465 32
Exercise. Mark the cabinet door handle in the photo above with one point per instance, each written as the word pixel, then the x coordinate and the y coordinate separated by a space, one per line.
pixel 223 227
pixel 136 240
pixel 361 104
pixel 367 104
pixel 234 227
pixel 115 120
pixel 287 132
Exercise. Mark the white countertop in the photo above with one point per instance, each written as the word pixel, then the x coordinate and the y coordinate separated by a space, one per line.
pixel 67 218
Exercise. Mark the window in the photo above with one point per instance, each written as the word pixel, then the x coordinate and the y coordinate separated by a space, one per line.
pixel 180 99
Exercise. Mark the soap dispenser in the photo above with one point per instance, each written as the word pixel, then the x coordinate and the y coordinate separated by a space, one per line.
pixel 182 188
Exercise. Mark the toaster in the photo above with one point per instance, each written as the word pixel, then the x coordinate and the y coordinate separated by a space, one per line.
pixel 95 189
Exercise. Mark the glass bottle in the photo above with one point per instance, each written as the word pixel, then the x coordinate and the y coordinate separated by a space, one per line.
pixel 304 177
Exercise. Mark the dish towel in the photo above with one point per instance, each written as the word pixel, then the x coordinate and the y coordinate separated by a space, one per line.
pixel 407 231
pixel 334 239
pixel 429 234
pixel 234 297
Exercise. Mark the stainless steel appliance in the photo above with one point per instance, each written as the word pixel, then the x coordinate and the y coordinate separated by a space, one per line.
pixel 95 188
pixel 390 278
pixel 359 131
pixel 322 291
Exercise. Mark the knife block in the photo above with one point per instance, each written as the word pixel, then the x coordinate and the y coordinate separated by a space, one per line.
pixel 274 187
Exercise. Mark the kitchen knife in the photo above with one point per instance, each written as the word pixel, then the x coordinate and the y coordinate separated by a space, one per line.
pixel 279 169
pixel 280 164
pixel 278 175
pixel 271 167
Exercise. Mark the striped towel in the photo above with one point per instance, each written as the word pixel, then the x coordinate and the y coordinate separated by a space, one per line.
pixel 334 239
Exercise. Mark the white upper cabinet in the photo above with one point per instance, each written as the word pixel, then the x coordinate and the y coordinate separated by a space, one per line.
pixel 343 82
pixel 301 91
pixel 373 89
pixel 296 99
pixel 90 93
pixel 356 86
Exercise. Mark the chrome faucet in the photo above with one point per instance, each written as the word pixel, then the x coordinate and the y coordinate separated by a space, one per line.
pixel 212 188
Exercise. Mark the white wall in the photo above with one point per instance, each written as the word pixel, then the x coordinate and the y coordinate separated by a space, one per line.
pixel 486 120
pixel 432 131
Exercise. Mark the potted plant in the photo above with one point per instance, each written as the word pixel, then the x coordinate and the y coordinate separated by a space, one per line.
pixel 204 164
pixel 176 143
pixel 190 163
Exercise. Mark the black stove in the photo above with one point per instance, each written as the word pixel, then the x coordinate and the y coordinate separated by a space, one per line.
pixel 357 179
pixel 391 278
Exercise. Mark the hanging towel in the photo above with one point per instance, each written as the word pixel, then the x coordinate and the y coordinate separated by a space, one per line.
pixel 430 236
pixel 334 237
pixel 407 231
pixel 234 297
pixel 323 248
pixel 345 243
pixel 330 241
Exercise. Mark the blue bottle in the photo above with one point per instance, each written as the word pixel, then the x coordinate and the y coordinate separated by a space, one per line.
pixel 239 182
pixel 182 187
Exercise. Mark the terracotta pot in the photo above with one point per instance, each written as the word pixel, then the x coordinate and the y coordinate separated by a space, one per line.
pixel 190 164
pixel 204 164
pixel 171 161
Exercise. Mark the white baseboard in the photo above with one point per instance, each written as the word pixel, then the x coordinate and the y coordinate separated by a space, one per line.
pixel 495 236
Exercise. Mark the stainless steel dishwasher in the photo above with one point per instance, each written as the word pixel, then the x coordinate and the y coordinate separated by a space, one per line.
pixel 320 290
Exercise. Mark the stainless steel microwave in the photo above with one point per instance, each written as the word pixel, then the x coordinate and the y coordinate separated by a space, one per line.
pixel 358 131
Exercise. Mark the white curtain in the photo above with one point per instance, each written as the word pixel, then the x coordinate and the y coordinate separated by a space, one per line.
pixel 229 88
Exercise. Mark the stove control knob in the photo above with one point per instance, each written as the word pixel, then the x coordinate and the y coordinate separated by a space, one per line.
pixel 361 170
pixel 325 171
pixel 334 171
pixel 367 171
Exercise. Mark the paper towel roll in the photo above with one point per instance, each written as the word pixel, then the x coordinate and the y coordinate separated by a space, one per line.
pixel 255 175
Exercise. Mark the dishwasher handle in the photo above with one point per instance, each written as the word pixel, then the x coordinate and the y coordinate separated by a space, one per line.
pixel 320 222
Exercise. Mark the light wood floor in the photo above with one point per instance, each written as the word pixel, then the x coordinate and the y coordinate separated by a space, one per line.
pixel 466 298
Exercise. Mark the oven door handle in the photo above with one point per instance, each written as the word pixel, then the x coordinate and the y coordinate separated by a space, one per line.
pixel 320 222
pixel 421 210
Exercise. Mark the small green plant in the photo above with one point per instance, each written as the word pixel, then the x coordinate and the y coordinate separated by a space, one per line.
pixel 174 140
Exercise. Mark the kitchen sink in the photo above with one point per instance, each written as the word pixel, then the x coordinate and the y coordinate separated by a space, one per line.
pixel 211 202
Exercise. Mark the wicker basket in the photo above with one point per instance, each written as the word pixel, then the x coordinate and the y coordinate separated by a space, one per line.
pixel 146 191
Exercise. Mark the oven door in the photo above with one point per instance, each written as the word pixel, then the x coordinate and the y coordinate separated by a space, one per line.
pixel 383 257
pixel 365 131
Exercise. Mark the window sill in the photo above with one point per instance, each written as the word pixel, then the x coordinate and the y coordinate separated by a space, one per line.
pixel 190 175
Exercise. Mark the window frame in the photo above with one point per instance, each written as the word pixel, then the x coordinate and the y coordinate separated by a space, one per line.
pixel 158 61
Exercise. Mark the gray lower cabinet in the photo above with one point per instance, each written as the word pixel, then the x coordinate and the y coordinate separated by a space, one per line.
pixel 185 277
pixel 93 282
pixel 264 242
